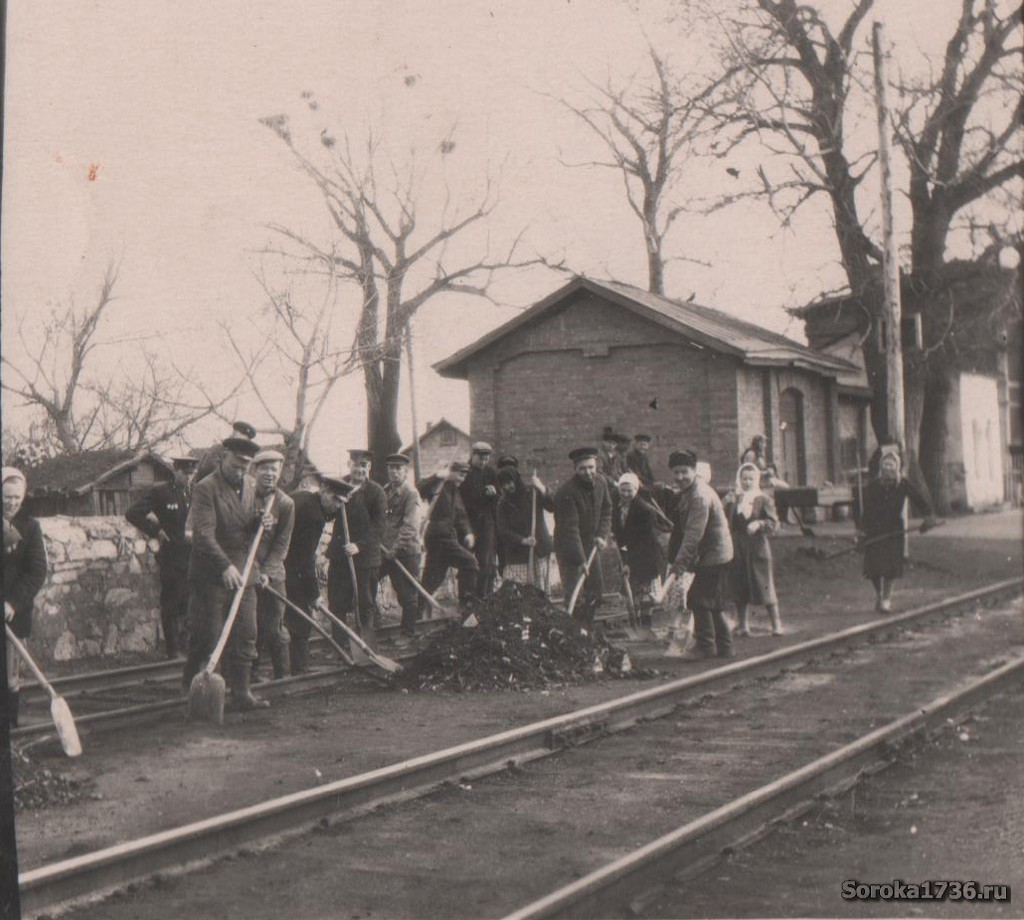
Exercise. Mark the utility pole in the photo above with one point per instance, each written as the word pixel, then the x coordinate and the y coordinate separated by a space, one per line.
pixel 412 403
pixel 892 313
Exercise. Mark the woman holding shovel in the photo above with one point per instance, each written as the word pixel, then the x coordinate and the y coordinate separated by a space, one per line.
pixel 24 573
pixel 752 519
pixel 636 528
pixel 884 516
pixel 521 524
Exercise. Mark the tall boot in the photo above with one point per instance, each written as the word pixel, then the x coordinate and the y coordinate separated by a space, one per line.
pixel 13 705
pixel 298 654
pixel 742 628
pixel 773 612
pixel 279 660
pixel 242 696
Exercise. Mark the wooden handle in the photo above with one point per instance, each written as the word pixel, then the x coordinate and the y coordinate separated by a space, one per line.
pixel 415 583
pixel 533 532
pixel 237 602
pixel 581 580
pixel 33 667
pixel 295 608
pixel 351 633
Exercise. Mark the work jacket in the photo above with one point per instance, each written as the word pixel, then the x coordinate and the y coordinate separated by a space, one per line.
pixel 367 512
pixel 222 529
pixel 700 532
pixel 25 568
pixel 169 503
pixel 583 512
pixel 274 543
pixel 402 533
pixel 447 518
pixel 636 534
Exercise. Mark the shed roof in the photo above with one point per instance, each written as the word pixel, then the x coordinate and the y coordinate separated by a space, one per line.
pixel 76 474
pixel 714 329
pixel 440 423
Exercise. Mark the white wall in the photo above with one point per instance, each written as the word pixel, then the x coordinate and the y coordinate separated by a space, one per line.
pixel 979 421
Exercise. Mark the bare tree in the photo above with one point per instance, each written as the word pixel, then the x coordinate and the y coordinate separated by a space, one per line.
pixel 650 129
pixel 802 89
pixel 86 409
pixel 396 249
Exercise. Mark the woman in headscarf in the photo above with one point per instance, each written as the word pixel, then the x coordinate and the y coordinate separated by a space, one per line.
pixel 24 573
pixel 885 512
pixel 635 526
pixel 752 519
pixel 515 517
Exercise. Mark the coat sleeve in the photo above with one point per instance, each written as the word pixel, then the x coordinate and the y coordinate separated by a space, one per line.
pixel 409 528
pixel 377 508
pixel 139 513
pixel 918 498
pixel 604 522
pixel 460 519
pixel 282 537
pixel 32 572
pixel 506 532
pixel 567 526
pixel 696 524
pixel 204 528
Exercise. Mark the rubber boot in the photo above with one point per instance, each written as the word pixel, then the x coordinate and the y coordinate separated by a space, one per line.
pixel 13 705
pixel 298 654
pixel 242 696
pixel 279 661
pixel 773 612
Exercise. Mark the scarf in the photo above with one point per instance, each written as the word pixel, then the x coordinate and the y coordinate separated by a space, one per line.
pixel 745 500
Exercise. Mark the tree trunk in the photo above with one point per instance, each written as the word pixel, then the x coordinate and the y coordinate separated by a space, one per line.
pixel 655 269
pixel 938 388
pixel 382 410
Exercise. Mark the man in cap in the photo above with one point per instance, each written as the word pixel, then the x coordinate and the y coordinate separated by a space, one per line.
pixel 211 459
pixel 401 545
pixel 223 528
pixel 638 461
pixel 312 512
pixel 583 520
pixel 480 493
pixel 161 514
pixel 701 543
pixel 611 463
pixel 278 524
pixel 25 568
pixel 449 537
pixel 365 513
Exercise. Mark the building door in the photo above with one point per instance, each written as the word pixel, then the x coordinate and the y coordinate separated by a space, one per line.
pixel 791 424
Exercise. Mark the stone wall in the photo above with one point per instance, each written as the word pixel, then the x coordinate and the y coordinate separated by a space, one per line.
pixel 102 595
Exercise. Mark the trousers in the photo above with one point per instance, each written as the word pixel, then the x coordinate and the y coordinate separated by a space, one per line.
pixel 208 606
pixel 343 598
pixel 444 553
pixel 405 591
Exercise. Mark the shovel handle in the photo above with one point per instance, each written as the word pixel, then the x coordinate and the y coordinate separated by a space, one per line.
pixel 351 633
pixel 351 561
pixel 415 583
pixel 666 586
pixel 295 608
pixel 533 532
pixel 857 547
pixel 581 580
pixel 33 667
pixel 211 665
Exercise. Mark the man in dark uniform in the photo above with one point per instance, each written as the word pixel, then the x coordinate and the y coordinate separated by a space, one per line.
pixel 449 537
pixel 402 540
pixel 365 512
pixel 480 494
pixel 611 463
pixel 639 462
pixel 270 555
pixel 312 512
pixel 211 459
pixel 161 514
pixel 583 520
pixel 223 528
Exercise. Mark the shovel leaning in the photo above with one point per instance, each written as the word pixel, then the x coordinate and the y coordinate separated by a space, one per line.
pixel 295 608
pixel 580 581
pixel 382 661
pixel 60 712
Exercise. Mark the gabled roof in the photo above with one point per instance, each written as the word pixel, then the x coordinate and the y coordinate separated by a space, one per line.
pixel 711 328
pixel 440 423
pixel 76 474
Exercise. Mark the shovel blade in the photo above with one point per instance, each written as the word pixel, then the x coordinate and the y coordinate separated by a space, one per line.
pixel 206 698
pixel 65 725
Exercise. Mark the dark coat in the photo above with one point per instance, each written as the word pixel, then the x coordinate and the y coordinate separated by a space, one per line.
pixel 583 512
pixel 637 539
pixel 884 506
pixel 753 571
pixel 515 513
pixel 300 563
pixel 700 533
pixel 25 568
pixel 640 464
pixel 447 518
pixel 367 513
pixel 169 503
pixel 481 507
pixel 223 528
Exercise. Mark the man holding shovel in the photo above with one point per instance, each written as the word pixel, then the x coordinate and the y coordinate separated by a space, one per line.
pixel 353 555
pixel 223 528
pixel 448 539
pixel 401 546
pixel 583 520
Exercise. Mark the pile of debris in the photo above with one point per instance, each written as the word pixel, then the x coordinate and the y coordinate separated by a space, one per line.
pixel 516 639
pixel 37 787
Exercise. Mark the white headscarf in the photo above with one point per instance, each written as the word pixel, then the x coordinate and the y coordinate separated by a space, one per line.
pixel 12 472
pixel 745 499
pixel 629 477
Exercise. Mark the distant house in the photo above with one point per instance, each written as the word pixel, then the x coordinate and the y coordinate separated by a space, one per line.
pixel 596 354
pixel 440 444
pixel 97 482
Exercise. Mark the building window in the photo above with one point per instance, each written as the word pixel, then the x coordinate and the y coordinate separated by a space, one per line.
pixel 448 438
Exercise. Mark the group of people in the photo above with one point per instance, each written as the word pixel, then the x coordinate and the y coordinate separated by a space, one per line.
pixel 477 517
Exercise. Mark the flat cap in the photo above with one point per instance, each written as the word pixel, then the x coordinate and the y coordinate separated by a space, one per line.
pixel 268 455
pixel 336 485
pixel 482 447
pixel 682 458
pixel 582 453
pixel 397 460
pixel 642 437
pixel 244 429
pixel 244 447
pixel 184 462
pixel 358 453
pixel 508 460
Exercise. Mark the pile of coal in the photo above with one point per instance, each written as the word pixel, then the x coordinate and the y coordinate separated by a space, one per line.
pixel 520 641
pixel 37 786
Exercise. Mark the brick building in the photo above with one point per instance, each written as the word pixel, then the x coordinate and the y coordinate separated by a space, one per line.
pixel 597 353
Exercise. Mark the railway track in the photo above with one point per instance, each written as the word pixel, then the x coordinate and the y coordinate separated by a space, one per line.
pixel 180 849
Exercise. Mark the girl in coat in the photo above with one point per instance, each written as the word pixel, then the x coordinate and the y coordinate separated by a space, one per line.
pixel 515 517
pixel 752 519
pixel 885 508
pixel 24 573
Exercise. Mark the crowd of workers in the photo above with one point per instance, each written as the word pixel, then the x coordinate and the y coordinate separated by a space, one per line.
pixel 228 532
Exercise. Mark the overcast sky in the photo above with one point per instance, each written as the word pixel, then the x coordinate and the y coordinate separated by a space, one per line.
pixel 160 103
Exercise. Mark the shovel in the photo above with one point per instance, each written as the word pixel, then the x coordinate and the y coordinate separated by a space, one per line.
pixel 634 631
pixel 382 661
pixel 368 627
pixel 821 555
pixel 580 581
pixel 295 608
pixel 429 598
pixel 678 631
pixel 60 712
pixel 206 692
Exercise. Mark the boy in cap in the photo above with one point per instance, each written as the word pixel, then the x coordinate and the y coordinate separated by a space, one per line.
pixel 401 545
pixel 449 538
pixel 161 513
pixel 479 492
pixel 365 511
pixel 701 543
pixel 583 520
pixel 278 523
pixel 638 461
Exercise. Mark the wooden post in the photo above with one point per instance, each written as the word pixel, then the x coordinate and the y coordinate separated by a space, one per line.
pixel 892 313
pixel 417 473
